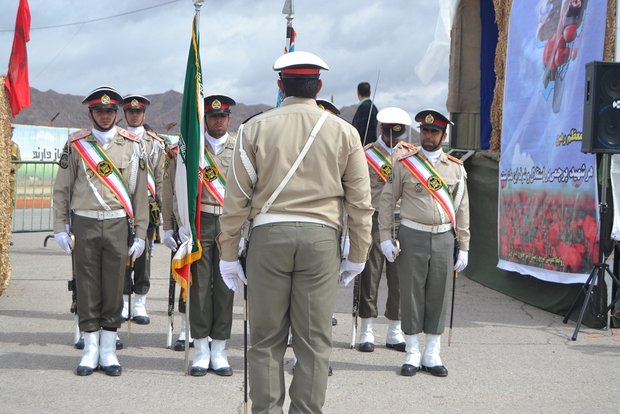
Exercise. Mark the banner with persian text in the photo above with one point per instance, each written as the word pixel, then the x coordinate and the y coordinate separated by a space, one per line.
pixel 548 206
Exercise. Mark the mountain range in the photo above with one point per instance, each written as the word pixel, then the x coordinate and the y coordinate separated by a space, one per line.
pixel 50 108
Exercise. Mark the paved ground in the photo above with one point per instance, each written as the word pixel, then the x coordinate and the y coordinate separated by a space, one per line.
pixel 505 356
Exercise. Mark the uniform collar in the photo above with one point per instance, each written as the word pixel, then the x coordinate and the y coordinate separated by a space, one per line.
pixel 292 100
pixel 136 130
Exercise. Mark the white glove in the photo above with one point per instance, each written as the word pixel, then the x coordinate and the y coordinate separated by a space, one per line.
pixel 136 249
pixel 64 239
pixel 184 234
pixel 461 261
pixel 345 246
pixel 615 234
pixel 389 250
pixel 242 243
pixel 232 273
pixel 348 271
pixel 169 240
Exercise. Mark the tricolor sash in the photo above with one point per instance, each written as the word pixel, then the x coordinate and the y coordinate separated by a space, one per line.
pixel 150 181
pixel 102 166
pixel 379 161
pixel 212 178
pixel 432 181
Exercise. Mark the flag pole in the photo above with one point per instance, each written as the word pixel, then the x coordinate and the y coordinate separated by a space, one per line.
pixel 197 6
pixel 288 10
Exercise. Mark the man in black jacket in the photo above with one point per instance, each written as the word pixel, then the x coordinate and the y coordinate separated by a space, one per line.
pixel 366 109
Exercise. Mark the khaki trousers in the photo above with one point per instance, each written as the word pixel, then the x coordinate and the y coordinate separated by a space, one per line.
pixel 425 265
pixel 371 276
pixel 100 259
pixel 292 271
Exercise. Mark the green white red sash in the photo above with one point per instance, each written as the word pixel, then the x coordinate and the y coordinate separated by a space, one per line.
pixel 432 181
pixel 150 181
pixel 102 166
pixel 212 178
pixel 379 161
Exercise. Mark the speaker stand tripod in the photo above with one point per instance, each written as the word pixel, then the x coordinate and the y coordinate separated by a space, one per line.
pixel 597 275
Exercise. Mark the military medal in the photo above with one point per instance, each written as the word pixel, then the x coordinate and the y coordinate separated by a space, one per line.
pixel 386 169
pixel 433 183
pixel 210 174
pixel 104 168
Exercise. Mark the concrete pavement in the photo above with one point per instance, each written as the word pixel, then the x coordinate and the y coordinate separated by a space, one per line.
pixel 505 356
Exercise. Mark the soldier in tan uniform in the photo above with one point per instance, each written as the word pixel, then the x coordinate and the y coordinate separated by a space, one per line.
pixel 434 211
pixel 134 107
pixel 293 257
pixel 100 198
pixel 393 124
pixel 211 302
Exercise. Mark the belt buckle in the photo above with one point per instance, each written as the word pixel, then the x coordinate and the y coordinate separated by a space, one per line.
pixel 100 215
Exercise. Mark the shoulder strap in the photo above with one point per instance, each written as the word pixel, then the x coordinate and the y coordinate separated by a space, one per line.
pixel 295 165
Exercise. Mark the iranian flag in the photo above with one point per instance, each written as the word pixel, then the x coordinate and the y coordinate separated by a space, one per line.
pixel 191 150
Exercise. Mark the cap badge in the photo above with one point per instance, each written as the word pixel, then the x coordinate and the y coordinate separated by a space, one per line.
pixel 397 128
pixel 105 99
pixel 135 104
pixel 216 104
pixel 429 119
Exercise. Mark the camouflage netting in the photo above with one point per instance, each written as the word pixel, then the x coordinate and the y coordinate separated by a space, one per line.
pixel 5 202
pixel 502 14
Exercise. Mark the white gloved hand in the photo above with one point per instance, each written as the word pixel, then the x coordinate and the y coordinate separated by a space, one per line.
pixel 348 271
pixel 184 234
pixel 169 240
pixel 232 273
pixel 461 261
pixel 64 239
pixel 389 250
pixel 615 234
pixel 242 243
pixel 136 249
pixel 345 246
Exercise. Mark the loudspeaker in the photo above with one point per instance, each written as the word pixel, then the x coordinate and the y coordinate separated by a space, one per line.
pixel 601 109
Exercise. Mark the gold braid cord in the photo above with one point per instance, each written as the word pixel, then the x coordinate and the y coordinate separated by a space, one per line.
pixel 5 202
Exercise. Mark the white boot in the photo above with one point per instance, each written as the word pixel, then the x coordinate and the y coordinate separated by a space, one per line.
pixel 367 337
pixel 125 311
pixel 90 354
pixel 395 339
pixel 202 356
pixel 107 354
pixel 179 344
pixel 219 361
pixel 413 355
pixel 431 362
pixel 139 310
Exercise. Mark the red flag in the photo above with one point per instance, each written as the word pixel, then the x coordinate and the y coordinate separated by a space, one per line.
pixel 17 84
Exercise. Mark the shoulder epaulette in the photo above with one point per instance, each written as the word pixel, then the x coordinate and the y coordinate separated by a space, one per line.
pixel 454 159
pixel 173 150
pixel 79 135
pixel 129 135
pixel 408 145
pixel 408 154
pixel 155 136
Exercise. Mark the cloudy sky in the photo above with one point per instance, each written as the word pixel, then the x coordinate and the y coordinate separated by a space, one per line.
pixel 142 46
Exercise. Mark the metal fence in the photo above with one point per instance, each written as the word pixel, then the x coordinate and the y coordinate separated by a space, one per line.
pixel 34 185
